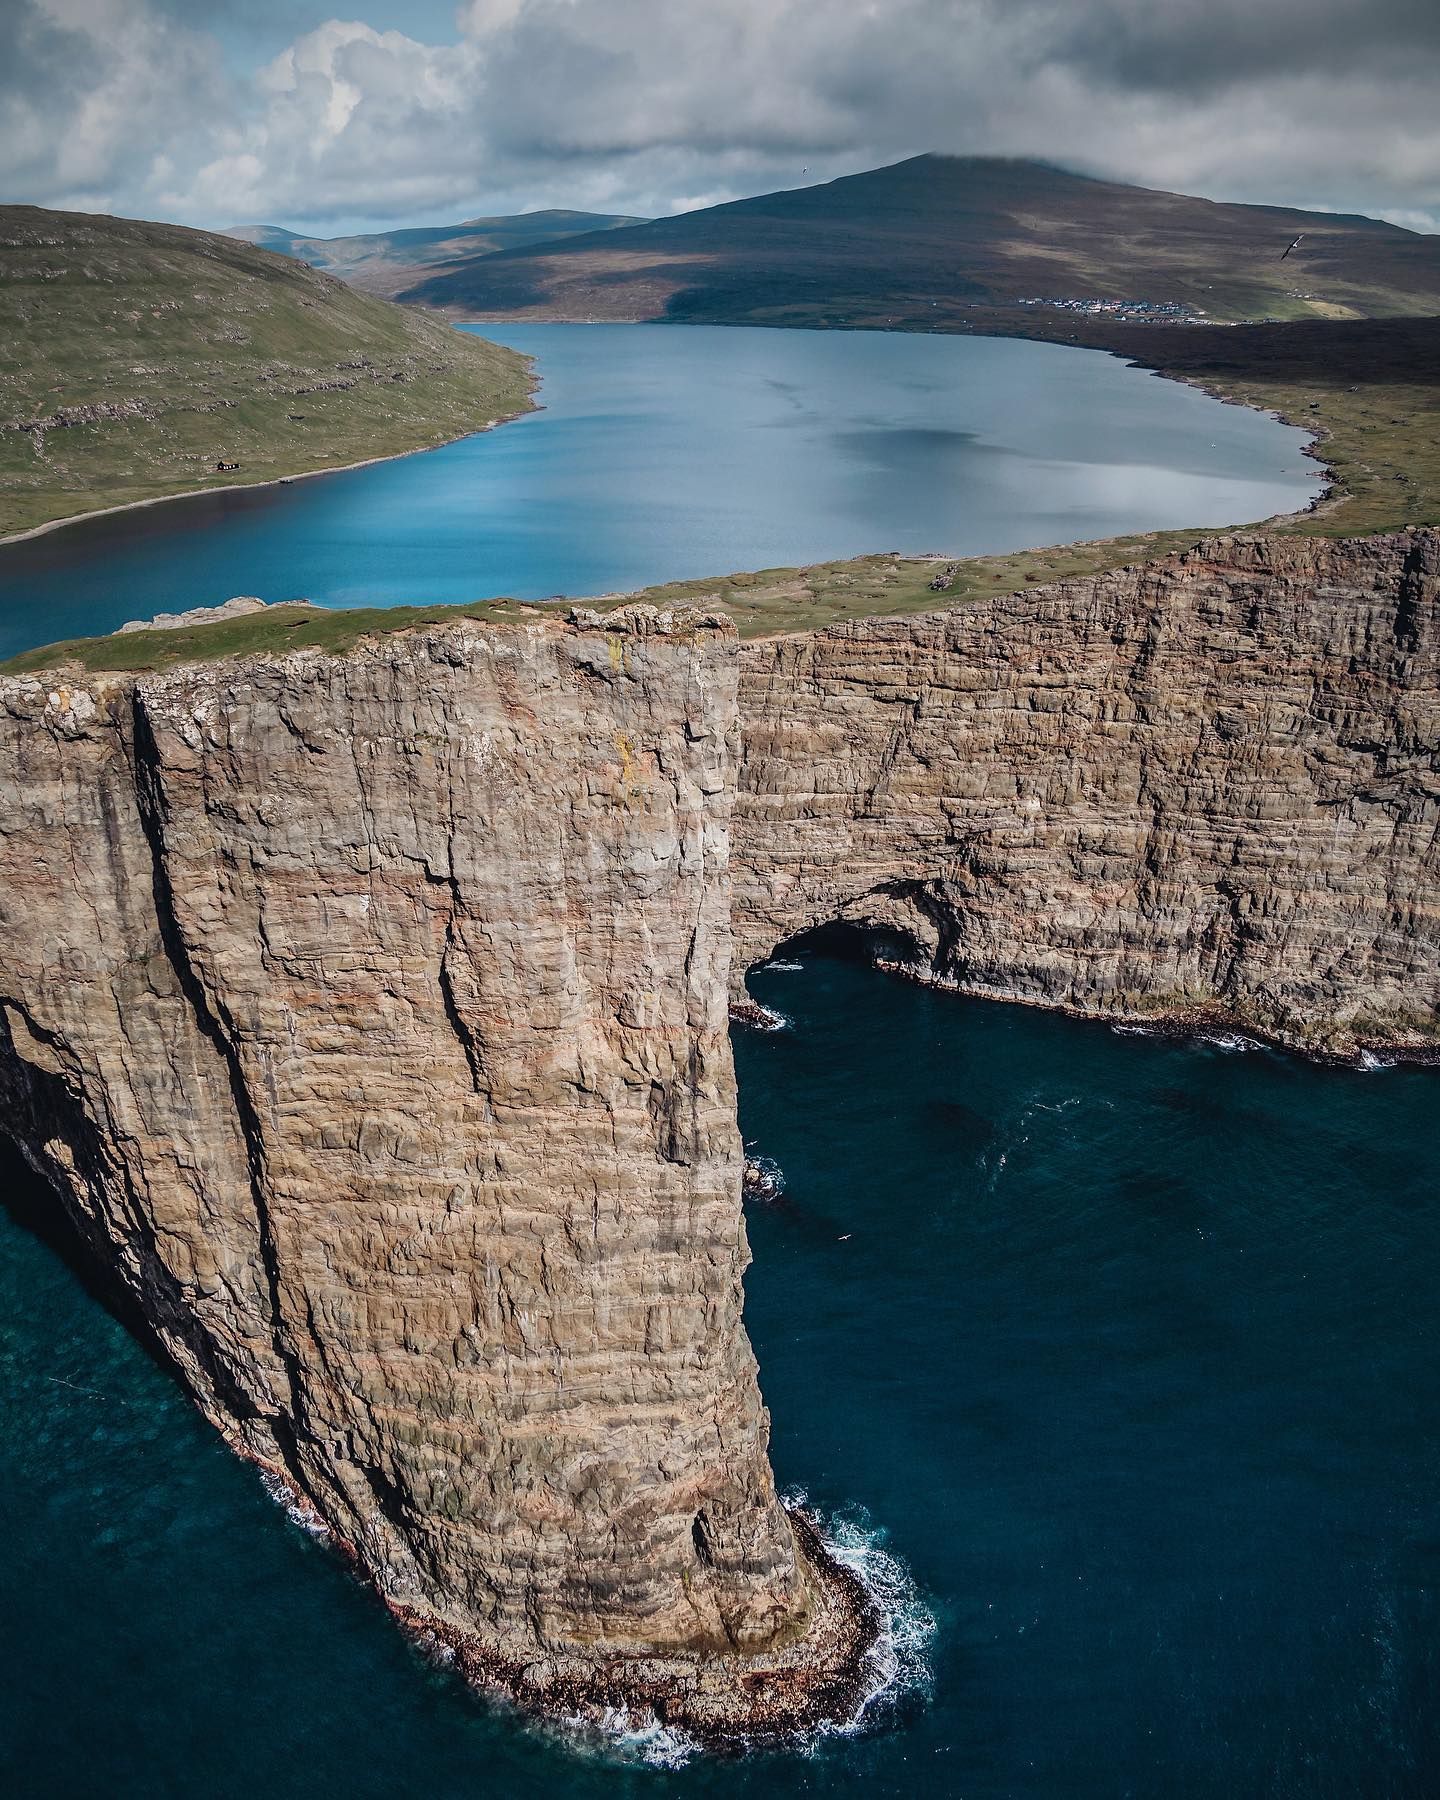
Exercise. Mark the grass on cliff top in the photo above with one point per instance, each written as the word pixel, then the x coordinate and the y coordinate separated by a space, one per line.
pixel 278 628
pixel 1371 391
pixel 761 604
pixel 135 357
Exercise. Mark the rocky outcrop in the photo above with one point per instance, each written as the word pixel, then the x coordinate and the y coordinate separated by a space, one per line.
pixel 238 608
pixel 1203 788
pixel 369 1014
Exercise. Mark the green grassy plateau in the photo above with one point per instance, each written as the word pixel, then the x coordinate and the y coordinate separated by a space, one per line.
pixel 277 628
pixel 135 357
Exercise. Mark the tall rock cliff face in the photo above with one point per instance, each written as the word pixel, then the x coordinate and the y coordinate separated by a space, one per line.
pixel 1206 787
pixel 369 1014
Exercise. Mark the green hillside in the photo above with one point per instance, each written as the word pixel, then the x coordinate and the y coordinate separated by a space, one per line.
pixel 135 358
pixel 384 262
pixel 943 236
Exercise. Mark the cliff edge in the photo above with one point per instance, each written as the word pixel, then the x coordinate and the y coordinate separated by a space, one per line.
pixel 370 1016
pixel 1203 790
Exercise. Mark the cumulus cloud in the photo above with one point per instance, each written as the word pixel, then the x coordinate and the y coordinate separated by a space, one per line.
pixel 646 105
pixel 97 97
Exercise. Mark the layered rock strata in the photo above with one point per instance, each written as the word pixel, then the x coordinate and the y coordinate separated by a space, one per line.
pixel 1203 788
pixel 369 1015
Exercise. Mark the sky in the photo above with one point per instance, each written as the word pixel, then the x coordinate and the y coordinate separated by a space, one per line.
pixel 221 112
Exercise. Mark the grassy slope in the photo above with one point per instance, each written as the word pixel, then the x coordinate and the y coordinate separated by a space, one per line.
pixel 384 262
pixel 950 234
pixel 277 628
pixel 167 350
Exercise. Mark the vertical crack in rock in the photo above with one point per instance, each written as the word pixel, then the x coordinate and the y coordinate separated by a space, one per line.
pixel 1204 790
pixel 399 1015
pixel 288 1422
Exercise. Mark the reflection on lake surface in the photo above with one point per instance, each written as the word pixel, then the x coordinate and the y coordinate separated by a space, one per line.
pixel 681 451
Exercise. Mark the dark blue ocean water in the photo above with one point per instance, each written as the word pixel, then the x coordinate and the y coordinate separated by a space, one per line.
pixel 682 451
pixel 1127 1349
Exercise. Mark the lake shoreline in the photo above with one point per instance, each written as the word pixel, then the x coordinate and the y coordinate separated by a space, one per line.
pixel 657 460
pixel 272 481
pixel 1331 496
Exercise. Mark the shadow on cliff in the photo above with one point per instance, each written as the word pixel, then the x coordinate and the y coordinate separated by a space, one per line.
pixel 841 941
pixel 28 1200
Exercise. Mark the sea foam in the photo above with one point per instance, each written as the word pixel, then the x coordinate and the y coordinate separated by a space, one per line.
pixel 898 1662
pixel 297 1509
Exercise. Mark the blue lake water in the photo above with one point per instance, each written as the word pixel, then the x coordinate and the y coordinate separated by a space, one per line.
pixel 680 451
pixel 1127 1349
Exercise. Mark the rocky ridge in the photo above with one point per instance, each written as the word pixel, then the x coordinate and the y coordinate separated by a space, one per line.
pixel 368 1014
pixel 1205 789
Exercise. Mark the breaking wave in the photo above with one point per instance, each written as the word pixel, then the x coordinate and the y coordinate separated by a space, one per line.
pixel 775 1020
pixel 1230 1041
pixel 898 1663
pixel 763 1179
pixel 758 1017
pixel 641 1738
pixel 297 1509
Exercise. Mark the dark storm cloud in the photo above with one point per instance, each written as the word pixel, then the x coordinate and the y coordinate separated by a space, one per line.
pixel 1197 48
pixel 643 105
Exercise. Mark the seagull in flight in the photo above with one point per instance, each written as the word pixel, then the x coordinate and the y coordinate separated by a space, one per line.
pixel 1295 246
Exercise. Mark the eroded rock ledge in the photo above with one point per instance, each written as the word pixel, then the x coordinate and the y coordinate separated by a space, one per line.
pixel 1205 790
pixel 368 1013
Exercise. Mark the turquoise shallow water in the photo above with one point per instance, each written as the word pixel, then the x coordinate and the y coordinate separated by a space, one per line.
pixel 689 451
pixel 1127 1349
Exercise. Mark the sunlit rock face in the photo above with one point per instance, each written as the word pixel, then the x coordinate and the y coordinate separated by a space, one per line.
pixel 370 1015
pixel 1205 788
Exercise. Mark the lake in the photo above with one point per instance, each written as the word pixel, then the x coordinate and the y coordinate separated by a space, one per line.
pixel 682 451
pixel 1123 1350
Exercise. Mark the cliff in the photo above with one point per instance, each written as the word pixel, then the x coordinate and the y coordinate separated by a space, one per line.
pixel 1206 788
pixel 369 1014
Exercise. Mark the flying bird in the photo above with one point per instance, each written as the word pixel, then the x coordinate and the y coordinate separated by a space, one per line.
pixel 1293 246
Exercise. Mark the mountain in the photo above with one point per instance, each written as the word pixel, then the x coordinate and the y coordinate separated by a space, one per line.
pixel 384 262
pixel 135 359
pixel 938 239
